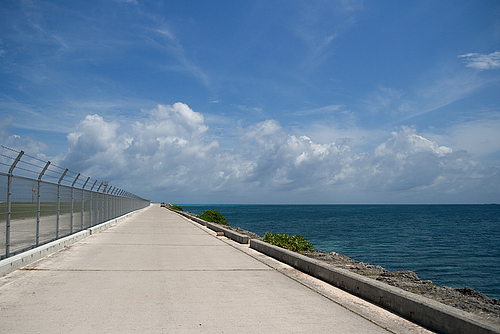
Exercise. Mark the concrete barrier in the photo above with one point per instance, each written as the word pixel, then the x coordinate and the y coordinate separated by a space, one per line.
pixel 426 312
pixel 238 237
pixel 18 261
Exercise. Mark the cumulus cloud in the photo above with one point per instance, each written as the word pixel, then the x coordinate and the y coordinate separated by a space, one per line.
pixel 166 150
pixel 169 152
pixel 289 162
pixel 93 141
pixel 482 62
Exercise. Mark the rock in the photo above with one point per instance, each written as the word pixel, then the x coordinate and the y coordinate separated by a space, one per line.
pixel 465 299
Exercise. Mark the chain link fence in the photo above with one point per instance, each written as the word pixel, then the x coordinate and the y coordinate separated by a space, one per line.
pixel 34 212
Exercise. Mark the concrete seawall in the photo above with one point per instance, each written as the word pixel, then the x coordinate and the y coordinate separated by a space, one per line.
pixel 426 312
pixel 238 237
pixel 421 310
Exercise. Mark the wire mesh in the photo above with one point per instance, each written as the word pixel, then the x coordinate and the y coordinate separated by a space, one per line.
pixel 40 202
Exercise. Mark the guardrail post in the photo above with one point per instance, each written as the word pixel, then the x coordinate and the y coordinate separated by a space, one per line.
pixel 59 201
pixel 38 198
pixel 72 200
pixel 9 203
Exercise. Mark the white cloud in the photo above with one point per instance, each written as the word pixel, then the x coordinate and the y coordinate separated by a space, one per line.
pixel 407 142
pixel 408 161
pixel 443 90
pixel 168 152
pixel 18 143
pixel 134 2
pixel 482 62
pixel 479 137
pixel 175 47
pixel 286 161
pixel 166 32
pixel 322 110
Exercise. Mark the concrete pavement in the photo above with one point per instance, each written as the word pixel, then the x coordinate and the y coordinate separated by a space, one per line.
pixel 157 272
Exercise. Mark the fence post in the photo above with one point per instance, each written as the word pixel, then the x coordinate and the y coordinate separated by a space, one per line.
pixel 72 200
pixel 112 192
pixel 59 201
pixel 91 209
pixel 106 204
pixel 99 202
pixel 83 201
pixel 9 203
pixel 121 202
pixel 38 198
pixel 117 204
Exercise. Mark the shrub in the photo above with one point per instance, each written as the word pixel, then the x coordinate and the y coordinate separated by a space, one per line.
pixel 295 243
pixel 213 216
pixel 176 207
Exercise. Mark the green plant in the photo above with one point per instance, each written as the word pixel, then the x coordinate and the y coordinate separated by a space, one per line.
pixel 213 216
pixel 176 207
pixel 296 243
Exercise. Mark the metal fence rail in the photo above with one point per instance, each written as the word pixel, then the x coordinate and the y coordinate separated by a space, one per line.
pixel 34 212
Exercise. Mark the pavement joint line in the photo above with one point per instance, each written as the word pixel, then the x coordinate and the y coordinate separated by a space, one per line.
pixel 269 265
pixel 243 248
pixel 240 248
pixel 145 270
pixel 162 245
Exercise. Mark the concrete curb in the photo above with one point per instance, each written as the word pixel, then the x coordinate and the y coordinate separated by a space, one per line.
pixel 238 237
pixel 423 311
pixel 18 261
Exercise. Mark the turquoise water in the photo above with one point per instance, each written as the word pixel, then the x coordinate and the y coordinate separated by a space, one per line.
pixel 452 245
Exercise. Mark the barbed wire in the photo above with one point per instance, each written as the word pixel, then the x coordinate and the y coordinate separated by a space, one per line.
pixel 1 163
pixel 60 174
pixel 8 148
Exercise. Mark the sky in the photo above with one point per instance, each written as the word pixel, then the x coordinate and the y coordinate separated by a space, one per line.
pixel 259 102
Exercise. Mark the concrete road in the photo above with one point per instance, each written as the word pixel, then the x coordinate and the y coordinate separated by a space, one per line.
pixel 157 272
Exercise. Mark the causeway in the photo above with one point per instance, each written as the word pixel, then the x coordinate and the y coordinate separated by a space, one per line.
pixel 158 272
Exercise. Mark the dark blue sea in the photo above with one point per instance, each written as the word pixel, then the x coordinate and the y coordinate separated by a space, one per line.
pixel 452 245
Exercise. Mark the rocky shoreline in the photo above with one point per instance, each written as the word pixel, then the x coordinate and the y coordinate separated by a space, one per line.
pixel 465 299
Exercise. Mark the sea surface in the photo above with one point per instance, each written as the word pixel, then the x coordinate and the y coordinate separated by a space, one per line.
pixel 451 245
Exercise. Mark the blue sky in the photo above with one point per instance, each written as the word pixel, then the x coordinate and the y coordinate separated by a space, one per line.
pixel 259 101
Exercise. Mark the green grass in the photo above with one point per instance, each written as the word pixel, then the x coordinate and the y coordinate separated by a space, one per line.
pixel 20 210
pixel 176 207
pixel 295 243
pixel 213 216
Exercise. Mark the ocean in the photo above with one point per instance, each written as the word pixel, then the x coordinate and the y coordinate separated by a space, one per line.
pixel 451 245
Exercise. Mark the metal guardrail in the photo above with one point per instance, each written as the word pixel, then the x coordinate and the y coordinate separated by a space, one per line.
pixel 34 212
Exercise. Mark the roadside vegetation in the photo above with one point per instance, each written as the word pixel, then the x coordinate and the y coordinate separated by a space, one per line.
pixel 295 243
pixel 26 210
pixel 213 216
pixel 176 207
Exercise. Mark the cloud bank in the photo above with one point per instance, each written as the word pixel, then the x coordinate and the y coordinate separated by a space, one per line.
pixel 167 156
